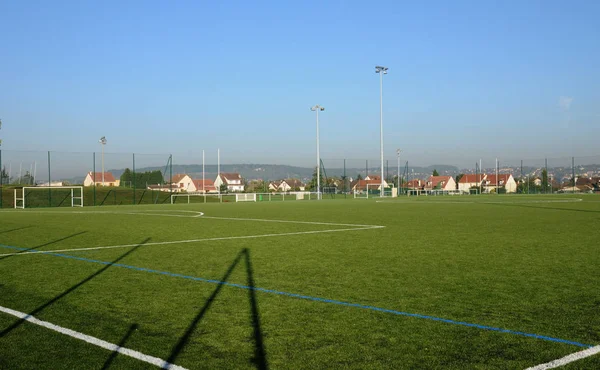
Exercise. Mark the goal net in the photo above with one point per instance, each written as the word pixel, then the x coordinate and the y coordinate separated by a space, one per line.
pixel 245 197
pixel 372 191
pixel 48 196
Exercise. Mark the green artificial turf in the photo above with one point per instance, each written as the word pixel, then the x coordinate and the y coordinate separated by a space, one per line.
pixel 523 263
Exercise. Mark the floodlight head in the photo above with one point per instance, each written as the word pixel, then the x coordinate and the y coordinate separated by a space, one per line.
pixel 398 151
pixel 381 69
pixel 322 109
pixel 102 140
pixel 317 108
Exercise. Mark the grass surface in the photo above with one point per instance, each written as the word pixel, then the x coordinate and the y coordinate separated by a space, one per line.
pixel 523 263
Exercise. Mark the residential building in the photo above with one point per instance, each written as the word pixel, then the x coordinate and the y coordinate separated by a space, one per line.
pixel 233 181
pixel 501 181
pixel 468 181
pixel 96 179
pixel 440 183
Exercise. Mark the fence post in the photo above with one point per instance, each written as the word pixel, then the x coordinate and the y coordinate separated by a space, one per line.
pixel 94 176
pixel 49 181
pixel 171 175
pixel 134 178
pixel 1 178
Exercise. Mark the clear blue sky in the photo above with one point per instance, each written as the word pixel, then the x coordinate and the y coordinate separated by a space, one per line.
pixel 516 79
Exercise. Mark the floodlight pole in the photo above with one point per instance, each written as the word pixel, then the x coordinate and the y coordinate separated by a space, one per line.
pixel 398 173
pixel 381 70
pixel 318 108
pixel 102 141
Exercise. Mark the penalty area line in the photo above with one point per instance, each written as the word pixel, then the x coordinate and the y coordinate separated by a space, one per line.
pixel 189 241
pixel 567 359
pixel 93 340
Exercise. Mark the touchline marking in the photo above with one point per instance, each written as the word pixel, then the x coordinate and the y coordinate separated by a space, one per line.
pixel 318 299
pixel 95 341
pixel 567 359
pixel 192 241
pixel 479 202
pixel 196 213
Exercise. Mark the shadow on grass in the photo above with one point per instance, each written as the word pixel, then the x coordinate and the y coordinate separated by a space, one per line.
pixel 540 207
pixel 121 344
pixel 70 290
pixel 43 245
pixel 260 357
pixel 16 229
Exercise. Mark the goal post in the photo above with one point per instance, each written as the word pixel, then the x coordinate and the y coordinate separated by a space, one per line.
pixel 52 196
pixel 245 197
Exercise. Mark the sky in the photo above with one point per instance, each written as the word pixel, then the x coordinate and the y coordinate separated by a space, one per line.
pixel 467 79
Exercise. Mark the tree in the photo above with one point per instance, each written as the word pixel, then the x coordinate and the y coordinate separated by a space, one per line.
pixel 126 177
pixel 4 178
pixel 312 185
pixel 435 173
pixel 359 177
pixel 27 179
pixel 223 188
pixel 459 176
pixel 545 180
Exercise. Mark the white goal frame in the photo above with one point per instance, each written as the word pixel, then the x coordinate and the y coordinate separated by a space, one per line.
pixel 245 197
pixel 365 193
pixel 76 201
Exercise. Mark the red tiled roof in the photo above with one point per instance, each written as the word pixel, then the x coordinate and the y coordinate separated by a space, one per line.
pixel 435 180
pixel 472 178
pixel 231 176
pixel 362 184
pixel 207 186
pixel 178 177
pixel 502 178
pixel 108 177
pixel 413 184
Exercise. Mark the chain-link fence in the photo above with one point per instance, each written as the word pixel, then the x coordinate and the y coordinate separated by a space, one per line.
pixel 127 178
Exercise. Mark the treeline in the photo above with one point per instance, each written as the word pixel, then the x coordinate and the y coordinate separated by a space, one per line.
pixel 141 179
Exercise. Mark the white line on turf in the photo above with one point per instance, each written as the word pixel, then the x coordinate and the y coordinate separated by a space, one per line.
pixel 194 240
pixel 567 359
pixel 479 202
pixel 93 340
pixel 196 214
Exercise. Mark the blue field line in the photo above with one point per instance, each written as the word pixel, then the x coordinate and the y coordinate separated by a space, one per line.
pixel 315 299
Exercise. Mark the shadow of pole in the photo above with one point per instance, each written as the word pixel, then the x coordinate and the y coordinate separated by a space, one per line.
pixel 260 356
pixel 45 244
pixel 186 336
pixel 547 208
pixel 16 229
pixel 71 289
pixel 114 354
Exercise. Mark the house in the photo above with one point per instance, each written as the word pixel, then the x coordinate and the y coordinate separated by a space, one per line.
pixel 275 185
pixel 96 179
pixel 287 185
pixel 501 181
pixel 373 177
pixel 440 183
pixel 362 185
pixel 537 181
pixel 294 185
pixel 183 182
pixel 466 182
pixel 203 186
pixel 233 181
pixel 414 184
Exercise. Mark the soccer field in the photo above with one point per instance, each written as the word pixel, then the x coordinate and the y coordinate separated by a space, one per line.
pixel 448 282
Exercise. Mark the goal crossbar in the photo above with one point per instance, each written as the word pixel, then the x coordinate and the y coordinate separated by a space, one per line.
pixel 21 201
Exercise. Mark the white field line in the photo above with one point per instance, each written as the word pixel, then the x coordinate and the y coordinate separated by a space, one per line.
pixel 476 202
pixel 567 359
pixel 196 240
pixel 196 214
pixel 291 222
pixel 95 341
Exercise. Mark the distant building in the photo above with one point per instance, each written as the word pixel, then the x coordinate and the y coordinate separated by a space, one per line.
pixel 233 181
pixel 96 179
pixel 468 181
pixel 501 181
pixel 440 183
